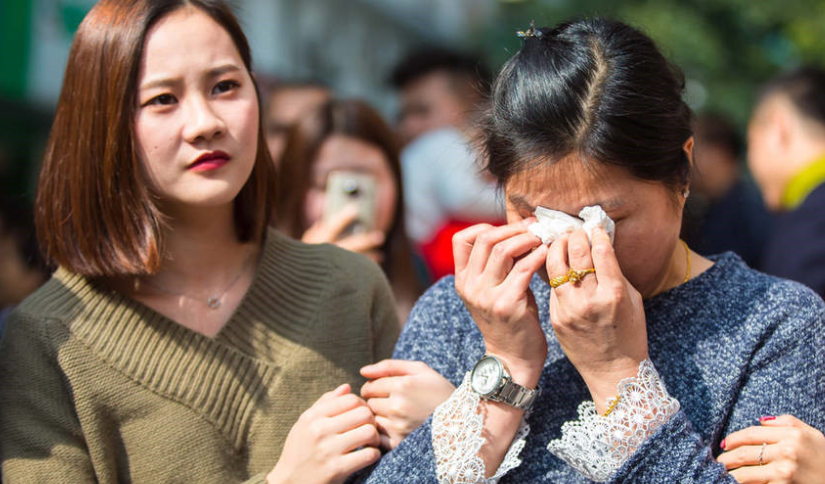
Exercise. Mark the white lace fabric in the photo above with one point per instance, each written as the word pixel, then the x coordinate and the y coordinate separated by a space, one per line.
pixel 457 429
pixel 596 445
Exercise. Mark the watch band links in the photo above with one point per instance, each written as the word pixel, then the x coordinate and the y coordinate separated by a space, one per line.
pixel 516 395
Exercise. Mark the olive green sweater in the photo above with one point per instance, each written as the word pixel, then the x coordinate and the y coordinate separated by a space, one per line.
pixel 99 388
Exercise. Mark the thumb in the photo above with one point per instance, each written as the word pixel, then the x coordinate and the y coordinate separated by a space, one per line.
pixel 341 390
pixel 389 368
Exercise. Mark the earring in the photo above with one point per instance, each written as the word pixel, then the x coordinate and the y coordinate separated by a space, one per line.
pixel 685 192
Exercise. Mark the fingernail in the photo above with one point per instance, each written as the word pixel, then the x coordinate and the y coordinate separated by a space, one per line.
pixel 722 444
pixel 767 418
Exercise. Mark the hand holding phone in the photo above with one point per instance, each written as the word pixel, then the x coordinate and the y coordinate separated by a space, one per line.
pixel 346 188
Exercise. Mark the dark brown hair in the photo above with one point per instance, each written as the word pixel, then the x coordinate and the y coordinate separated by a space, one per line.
pixel 96 214
pixel 358 120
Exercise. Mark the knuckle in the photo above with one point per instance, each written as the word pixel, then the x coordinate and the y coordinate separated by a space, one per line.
pixel 601 251
pixel 485 239
pixel 500 251
pixel 363 414
pixel 579 250
pixel 398 407
pixel 788 453
pixel 786 470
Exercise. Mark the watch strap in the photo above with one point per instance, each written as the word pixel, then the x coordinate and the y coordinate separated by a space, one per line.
pixel 516 395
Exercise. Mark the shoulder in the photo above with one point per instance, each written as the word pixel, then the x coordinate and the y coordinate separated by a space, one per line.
pixel 62 299
pixel 769 300
pixel 323 268
pixel 326 261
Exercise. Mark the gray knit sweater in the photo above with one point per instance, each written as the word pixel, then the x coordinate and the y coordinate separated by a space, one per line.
pixel 731 345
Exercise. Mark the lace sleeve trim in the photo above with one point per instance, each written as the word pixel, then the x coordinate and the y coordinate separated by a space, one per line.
pixel 597 446
pixel 457 429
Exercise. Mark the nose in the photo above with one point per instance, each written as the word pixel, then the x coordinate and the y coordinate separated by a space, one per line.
pixel 203 123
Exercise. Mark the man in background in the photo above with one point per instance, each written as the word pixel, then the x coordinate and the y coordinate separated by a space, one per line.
pixel 786 144
pixel 442 96
pixel 286 103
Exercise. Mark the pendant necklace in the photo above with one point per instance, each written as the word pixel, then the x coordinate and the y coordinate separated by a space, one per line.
pixel 212 302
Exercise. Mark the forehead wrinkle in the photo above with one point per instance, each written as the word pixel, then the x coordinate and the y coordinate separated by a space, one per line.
pixel 567 186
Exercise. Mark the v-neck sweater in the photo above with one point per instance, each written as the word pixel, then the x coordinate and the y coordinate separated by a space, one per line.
pixel 97 387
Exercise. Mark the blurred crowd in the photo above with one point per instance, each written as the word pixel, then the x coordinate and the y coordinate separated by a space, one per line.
pixel 423 178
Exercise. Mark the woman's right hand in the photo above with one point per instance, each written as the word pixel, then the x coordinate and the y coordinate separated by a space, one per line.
pixel 367 243
pixel 333 439
pixel 493 269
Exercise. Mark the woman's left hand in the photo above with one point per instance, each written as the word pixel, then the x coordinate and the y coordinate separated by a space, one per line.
pixel 600 320
pixel 794 453
pixel 402 394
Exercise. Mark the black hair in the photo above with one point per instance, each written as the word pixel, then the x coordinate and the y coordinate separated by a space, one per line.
pixel 597 88
pixel 427 60
pixel 715 129
pixel 805 87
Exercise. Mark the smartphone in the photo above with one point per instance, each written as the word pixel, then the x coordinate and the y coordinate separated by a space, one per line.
pixel 345 188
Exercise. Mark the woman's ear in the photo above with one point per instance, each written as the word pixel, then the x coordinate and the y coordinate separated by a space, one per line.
pixel 688 147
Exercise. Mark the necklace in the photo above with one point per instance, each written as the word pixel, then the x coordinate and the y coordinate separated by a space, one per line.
pixel 687 252
pixel 213 301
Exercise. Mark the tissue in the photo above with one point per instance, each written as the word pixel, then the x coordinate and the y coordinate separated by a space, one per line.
pixel 552 224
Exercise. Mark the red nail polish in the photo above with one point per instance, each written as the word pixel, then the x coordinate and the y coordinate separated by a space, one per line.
pixel 722 444
pixel 767 418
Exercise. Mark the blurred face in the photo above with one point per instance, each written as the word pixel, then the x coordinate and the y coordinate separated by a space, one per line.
pixel 716 170
pixel 766 154
pixel 427 104
pixel 343 153
pixel 286 106
pixel 196 125
pixel 647 214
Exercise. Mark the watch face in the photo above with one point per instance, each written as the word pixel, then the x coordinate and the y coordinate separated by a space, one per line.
pixel 486 376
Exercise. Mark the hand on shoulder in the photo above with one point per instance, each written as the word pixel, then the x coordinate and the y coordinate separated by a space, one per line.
pixel 783 450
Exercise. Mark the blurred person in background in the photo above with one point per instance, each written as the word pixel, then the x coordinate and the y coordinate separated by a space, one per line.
pixel 180 339
pixel 287 102
pixel 348 137
pixel 442 94
pixel 724 211
pixel 786 154
pixel 22 269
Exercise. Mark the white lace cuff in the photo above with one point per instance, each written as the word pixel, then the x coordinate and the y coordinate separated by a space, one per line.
pixel 597 446
pixel 457 428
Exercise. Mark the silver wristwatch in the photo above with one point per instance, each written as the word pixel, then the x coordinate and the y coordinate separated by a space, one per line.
pixel 491 381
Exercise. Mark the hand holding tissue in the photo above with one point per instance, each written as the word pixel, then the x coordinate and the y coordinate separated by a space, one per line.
pixel 552 224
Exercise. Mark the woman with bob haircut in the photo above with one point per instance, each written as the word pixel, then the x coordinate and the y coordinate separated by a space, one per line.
pixel 180 339
pixel 608 360
pixel 347 135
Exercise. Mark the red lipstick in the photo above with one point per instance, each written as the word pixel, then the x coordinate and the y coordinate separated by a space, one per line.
pixel 209 161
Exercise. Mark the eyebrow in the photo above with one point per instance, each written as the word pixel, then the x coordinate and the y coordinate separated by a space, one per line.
pixel 521 203
pixel 170 82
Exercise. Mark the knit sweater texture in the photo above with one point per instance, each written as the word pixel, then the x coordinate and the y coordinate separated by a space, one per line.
pixel 731 344
pixel 100 388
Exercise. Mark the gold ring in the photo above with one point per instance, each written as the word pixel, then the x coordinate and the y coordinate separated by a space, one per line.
pixel 559 280
pixel 576 276
pixel 571 276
